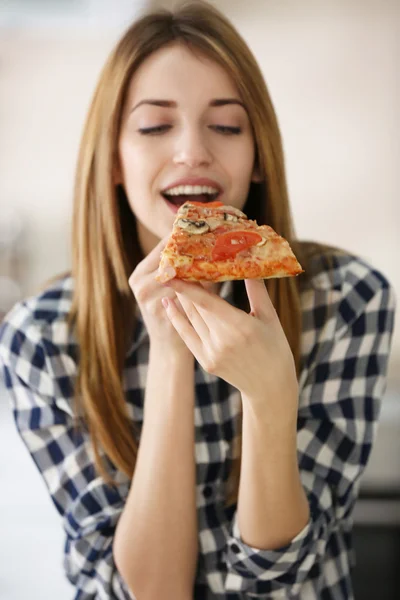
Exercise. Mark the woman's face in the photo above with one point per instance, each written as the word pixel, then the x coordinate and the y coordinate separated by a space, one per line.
pixel 185 135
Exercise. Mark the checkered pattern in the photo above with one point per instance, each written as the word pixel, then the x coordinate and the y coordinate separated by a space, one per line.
pixel 348 319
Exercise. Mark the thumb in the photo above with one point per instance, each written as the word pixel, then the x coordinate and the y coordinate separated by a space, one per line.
pixel 260 302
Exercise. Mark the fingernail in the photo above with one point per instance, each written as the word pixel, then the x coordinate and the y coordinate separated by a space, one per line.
pixel 165 302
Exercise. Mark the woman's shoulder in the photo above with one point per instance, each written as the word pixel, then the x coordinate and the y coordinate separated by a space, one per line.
pixel 342 284
pixel 36 341
pixel 333 269
pixel 37 313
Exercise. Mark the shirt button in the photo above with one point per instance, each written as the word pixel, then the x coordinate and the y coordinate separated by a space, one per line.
pixel 207 492
pixel 235 548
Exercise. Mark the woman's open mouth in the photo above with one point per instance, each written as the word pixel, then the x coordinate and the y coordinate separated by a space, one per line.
pixel 178 195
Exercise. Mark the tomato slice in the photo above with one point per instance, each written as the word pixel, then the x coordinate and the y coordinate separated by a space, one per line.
pixel 230 243
pixel 214 204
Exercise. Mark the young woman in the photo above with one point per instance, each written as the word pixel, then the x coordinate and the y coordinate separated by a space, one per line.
pixel 192 449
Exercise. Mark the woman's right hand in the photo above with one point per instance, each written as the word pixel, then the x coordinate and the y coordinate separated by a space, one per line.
pixel 148 294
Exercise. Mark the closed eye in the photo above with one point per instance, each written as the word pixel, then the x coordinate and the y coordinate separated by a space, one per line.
pixel 158 129
pixel 226 130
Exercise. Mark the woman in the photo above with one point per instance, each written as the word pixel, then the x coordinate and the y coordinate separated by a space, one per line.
pixel 191 448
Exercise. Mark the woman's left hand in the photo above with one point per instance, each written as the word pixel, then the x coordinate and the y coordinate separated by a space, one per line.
pixel 251 352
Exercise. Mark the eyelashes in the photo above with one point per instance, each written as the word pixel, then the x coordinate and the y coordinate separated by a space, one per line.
pixel 226 130
pixel 154 130
pixel 160 129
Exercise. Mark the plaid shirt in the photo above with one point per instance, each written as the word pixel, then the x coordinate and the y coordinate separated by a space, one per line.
pixel 348 314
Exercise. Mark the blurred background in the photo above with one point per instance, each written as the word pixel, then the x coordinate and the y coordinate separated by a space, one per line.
pixel 332 67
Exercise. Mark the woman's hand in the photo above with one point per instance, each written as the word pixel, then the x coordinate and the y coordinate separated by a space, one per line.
pixel 250 352
pixel 148 294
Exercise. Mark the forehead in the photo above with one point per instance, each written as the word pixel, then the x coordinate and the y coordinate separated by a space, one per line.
pixel 178 73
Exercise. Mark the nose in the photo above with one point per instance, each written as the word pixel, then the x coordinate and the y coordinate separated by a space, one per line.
pixel 191 150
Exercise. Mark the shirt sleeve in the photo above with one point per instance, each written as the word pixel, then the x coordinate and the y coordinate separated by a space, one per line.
pixel 340 397
pixel 89 509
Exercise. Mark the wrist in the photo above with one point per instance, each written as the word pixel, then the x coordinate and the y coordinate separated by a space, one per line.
pixel 277 417
pixel 169 384
pixel 277 440
pixel 170 354
pixel 278 406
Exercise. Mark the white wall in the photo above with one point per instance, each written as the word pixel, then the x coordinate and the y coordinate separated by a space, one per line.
pixel 333 71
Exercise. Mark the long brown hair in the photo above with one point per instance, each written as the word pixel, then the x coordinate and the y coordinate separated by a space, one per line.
pixel 105 246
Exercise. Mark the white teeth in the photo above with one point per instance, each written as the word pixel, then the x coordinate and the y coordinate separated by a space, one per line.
pixel 191 190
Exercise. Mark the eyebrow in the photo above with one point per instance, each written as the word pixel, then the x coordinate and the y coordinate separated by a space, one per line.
pixel 173 104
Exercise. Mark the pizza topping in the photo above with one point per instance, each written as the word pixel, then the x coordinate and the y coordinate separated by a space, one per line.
pixel 181 199
pixel 229 217
pixel 184 209
pixel 194 207
pixel 195 227
pixel 215 225
pixel 215 204
pixel 216 209
pixel 229 244
pixel 232 210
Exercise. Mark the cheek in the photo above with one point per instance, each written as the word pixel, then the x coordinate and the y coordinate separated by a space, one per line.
pixel 142 160
pixel 240 153
pixel 241 165
pixel 134 167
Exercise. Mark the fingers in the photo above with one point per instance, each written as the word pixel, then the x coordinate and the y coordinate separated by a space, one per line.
pixel 209 306
pixel 194 317
pixel 212 308
pixel 260 302
pixel 183 327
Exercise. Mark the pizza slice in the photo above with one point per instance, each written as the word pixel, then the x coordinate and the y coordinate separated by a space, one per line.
pixel 215 242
